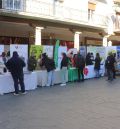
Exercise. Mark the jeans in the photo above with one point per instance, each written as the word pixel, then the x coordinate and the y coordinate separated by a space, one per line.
pixel 18 79
pixel 50 78
pixel 64 75
pixel 97 73
pixel 80 74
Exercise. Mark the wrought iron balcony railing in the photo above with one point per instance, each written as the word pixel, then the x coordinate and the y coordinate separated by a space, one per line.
pixel 54 11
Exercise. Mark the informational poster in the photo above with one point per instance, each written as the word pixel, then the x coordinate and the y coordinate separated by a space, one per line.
pixel 118 52
pixel 60 51
pixel 118 58
pixel 36 50
pixel 1 49
pixel 48 50
pixel 22 51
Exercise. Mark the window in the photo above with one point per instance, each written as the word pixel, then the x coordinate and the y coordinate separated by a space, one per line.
pixel 91 10
pixel 14 4
pixel 90 14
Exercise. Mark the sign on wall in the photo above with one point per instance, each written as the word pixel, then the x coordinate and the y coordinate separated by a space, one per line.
pixel 48 50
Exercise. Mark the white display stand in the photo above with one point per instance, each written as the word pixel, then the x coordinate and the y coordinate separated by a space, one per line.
pixel 7 85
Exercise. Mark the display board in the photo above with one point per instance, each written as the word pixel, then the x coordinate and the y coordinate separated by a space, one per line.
pixel 61 49
pixel 22 51
pixel 48 50
pixel 118 52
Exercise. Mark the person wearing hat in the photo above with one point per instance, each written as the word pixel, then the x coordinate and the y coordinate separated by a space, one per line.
pixel 15 65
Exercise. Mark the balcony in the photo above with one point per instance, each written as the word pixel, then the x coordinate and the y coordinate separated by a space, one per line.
pixel 51 12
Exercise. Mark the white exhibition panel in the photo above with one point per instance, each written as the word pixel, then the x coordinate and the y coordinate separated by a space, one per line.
pixel 7 85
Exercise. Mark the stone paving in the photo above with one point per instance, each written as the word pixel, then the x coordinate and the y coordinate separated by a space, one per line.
pixel 94 104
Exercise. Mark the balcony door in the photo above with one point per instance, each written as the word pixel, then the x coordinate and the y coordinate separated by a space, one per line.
pixel 14 4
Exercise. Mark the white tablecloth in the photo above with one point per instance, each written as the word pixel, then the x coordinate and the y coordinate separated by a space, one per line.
pixel 42 77
pixel 7 85
pixel 91 71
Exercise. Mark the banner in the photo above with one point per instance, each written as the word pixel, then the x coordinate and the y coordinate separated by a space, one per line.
pixel 22 51
pixel 56 52
pixel 36 50
pixel 61 49
pixel 48 50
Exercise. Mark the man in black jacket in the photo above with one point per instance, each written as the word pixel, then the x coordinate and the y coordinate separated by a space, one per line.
pixel 15 66
pixel 109 64
pixel 80 64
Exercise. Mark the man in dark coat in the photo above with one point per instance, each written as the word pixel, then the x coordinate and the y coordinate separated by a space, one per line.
pixel 15 66
pixel 109 64
pixel 80 64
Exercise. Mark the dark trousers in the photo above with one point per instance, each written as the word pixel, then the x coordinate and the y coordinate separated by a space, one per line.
pixel 18 79
pixel 114 73
pixel 80 74
pixel 110 74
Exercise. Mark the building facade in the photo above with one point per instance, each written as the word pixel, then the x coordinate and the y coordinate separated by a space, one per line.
pixel 79 21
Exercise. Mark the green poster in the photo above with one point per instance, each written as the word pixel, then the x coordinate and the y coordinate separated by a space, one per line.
pixel 36 50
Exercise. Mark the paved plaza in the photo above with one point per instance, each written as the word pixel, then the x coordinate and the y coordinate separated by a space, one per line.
pixel 94 104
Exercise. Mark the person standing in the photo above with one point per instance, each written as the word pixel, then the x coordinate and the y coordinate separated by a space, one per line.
pixel 97 65
pixel 32 63
pixel 109 64
pixel 15 65
pixel 50 66
pixel 64 66
pixel 115 64
pixel 88 59
pixel 80 65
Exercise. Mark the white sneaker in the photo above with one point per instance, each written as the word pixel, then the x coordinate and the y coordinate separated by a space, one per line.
pixel 48 85
pixel 15 94
pixel 24 93
pixel 63 84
